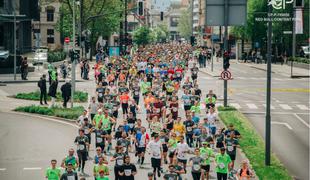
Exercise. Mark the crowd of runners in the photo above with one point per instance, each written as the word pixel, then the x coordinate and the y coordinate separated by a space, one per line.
pixel 148 106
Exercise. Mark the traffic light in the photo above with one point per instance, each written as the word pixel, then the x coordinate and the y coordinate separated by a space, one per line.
pixel 161 16
pixel 226 59
pixel 299 3
pixel 74 55
pixel 140 8
pixel 193 40
pixel 77 41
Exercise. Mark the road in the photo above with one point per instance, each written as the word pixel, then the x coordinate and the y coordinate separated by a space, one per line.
pixel 29 143
pixel 290 111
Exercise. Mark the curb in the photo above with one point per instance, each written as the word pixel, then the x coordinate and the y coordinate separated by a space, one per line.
pixel 43 116
pixel 30 81
pixel 209 73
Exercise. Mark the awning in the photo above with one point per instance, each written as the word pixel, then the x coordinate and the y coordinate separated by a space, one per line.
pixel 10 18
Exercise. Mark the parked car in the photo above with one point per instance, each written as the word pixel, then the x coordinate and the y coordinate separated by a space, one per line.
pixel 40 56
pixel 306 50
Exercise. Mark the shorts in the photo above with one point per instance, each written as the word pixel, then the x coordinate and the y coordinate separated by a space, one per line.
pixel 115 114
pixel 140 150
pixel 206 167
pixel 184 161
pixel 82 155
pixel 109 131
pixel 187 107
pixel 100 100
pixel 232 156
pixel 92 116
pixel 194 77
pixel 155 162
pixel 171 154
pixel 165 148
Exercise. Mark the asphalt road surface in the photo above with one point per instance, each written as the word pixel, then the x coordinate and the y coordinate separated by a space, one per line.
pixel 290 111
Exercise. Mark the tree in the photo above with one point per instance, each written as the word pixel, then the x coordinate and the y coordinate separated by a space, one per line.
pixel 161 32
pixel 102 26
pixel 143 35
pixel 184 25
pixel 256 31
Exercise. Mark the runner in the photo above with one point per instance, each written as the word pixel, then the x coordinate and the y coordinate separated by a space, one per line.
pixel 70 159
pixel 53 172
pixel 69 174
pixel 128 170
pixel 118 157
pixel 205 153
pixel 82 143
pixel 101 166
pixel 196 164
pixel 222 162
pixel 142 139
pixel 155 149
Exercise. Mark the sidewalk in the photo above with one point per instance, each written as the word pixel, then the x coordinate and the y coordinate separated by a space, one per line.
pixel 284 70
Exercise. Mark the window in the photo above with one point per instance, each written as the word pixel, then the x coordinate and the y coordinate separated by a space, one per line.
pixel 50 36
pixel 1 3
pixel 50 14
pixel 174 21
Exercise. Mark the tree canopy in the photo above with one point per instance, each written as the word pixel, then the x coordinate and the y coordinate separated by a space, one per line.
pixel 143 35
pixel 184 25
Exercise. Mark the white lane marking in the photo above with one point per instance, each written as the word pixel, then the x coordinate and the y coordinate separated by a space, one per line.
pixel 302 107
pixel 2 169
pixel 277 79
pixel 271 106
pixel 207 78
pixel 301 120
pixel 243 78
pixel 252 106
pixel 285 106
pixel 32 168
pixel 236 105
pixel 282 123
pixel 281 113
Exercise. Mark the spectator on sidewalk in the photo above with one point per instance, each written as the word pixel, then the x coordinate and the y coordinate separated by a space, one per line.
pixel 24 68
pixel 52 91
pixel 43 92
pixel 66 92
pixel 50 68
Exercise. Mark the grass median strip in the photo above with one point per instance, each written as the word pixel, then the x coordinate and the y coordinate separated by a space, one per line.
pixel 79 96
pixel 67 113
pixel 253 146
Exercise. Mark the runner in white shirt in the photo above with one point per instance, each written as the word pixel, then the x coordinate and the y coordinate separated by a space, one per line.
pixel 155 149
pixel 212 117
pixel 181 150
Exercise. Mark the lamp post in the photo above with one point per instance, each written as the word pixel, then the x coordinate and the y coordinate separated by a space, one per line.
pixel 73 63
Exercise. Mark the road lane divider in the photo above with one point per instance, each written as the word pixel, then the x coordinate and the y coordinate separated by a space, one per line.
pixel 282 123
pixel 302 121
pixel 2 169
pixel 31 168
pixel 285 107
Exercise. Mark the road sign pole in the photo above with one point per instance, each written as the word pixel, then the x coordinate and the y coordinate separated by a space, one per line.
pixel 293 41
pixel 73 63
pixel 14 35
pixel 212 46
pixel 225 45
pixel 268 95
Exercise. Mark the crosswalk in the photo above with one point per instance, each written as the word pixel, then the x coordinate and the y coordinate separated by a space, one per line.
pixel 275 106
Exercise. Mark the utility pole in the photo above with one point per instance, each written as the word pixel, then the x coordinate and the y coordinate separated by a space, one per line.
pixel 225 45
pixel 126 26
pixel 192 17
pixel 14 36
pixel 212 46
pixel 74 60
pixel 80 25
pixel 268 95
pixel 293 41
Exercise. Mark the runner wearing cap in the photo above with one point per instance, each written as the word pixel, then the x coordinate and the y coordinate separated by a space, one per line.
pixel 222 162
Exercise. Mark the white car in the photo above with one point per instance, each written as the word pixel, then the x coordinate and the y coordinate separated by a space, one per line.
pixel 306 50
pixel 40 56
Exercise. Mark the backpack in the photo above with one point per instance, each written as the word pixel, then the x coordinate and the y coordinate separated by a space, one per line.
pixel 247 171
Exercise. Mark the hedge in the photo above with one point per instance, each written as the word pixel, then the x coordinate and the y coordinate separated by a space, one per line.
pixel 67 113
pixel 55 56
pixel 299 60
pixel 79 96
pixel 253 146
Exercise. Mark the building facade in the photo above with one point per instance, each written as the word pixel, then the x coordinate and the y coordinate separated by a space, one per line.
pixel 44 32
pixel 25 11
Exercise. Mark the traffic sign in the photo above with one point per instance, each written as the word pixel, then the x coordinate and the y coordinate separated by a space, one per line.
pixel 226 75
pixel 67 40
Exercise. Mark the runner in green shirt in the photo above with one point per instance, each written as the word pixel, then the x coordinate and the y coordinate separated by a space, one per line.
pixel 172 145
pixel 145 86
pixel 97 118
pixel 100 167
pixel 53 173
pixel 206 153
pixel 223 162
